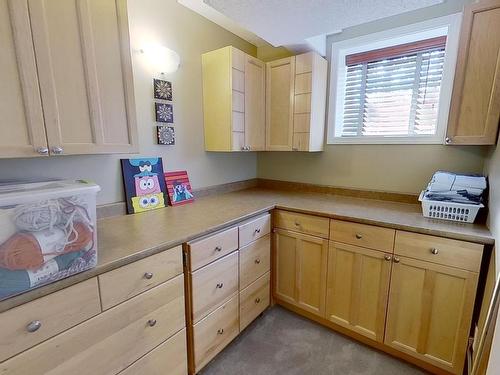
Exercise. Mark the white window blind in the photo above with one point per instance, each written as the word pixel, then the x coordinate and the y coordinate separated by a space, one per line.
pixel 394 92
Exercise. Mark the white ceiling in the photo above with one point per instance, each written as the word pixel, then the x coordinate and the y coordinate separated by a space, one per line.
pixel 292 22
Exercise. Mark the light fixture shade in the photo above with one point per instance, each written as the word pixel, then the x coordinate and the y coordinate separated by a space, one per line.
pixel 162 59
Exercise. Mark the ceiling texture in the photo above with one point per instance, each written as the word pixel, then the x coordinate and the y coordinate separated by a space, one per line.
pixel 294 22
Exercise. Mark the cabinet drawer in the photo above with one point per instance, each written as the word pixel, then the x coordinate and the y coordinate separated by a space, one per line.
pixel 255 260
pixel 254 229
pixel 369 236
pixel 460 254
pixel 253 300
pixel 169 358
pixel 213 284
pixel 128 281
pixel 308 224
pixel 213 333
pixel 56 313
pixel 111 341
pixel 212 248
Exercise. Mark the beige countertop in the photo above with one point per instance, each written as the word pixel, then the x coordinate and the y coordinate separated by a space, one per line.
pixel 124 239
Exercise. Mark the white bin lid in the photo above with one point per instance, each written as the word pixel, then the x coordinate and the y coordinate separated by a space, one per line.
pixel 17 193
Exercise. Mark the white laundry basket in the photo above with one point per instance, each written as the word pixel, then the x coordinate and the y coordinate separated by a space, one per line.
pixel 47 232
pixel 460 212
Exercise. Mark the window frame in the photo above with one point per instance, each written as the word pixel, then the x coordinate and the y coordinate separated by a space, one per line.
pixel 447 25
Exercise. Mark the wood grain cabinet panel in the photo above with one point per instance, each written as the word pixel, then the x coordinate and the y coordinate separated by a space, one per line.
pixel 430 311
pixel 255 104
pixel 85 74
pixel 303 223
pixel 254 299
pixel 22 126
pixel 358 289
pixel 128 281
pixel 254 229
pixel 111 341
pixel 300 273
pixel 204 251
pixel 168 358
pixel 475 106
pixel 369 236
pixel 255 260
pixel 54 313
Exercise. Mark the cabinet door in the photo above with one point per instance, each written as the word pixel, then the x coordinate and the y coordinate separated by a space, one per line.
pixel 475 106
pixel 358 289
pixel 83 60
pixel 280 82
pixel 22 126
pixel 255 115
pixel 429 312
pixel 301 270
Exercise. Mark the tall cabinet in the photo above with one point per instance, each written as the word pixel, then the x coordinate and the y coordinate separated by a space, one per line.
pixel 66 77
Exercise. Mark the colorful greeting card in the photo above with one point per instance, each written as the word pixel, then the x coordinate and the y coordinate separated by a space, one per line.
pixel 178 187
pixel 144 186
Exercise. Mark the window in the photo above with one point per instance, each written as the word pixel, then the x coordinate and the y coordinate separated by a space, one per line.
pixel 393 90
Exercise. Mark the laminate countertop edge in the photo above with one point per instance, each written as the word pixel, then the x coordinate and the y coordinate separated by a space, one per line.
pixel 113 232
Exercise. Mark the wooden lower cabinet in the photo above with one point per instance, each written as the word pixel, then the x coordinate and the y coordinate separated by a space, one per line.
pixel 300 265
pixel 430 311
pixel 357 289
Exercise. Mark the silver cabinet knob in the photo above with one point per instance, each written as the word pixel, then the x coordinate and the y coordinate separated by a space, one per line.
pixel 219 285
pixel 434 251
pixel 359 236
pixel 151 322
pixel 256 231
pixel 243 148
pixel 396 260
pixel 42 150
pixel 148 275
pixel 56 150
pixel 257 300
pixel 448 140
pixel 295 149
pixel 387 257
pixel 218 249
pixel 257 261
pixel 34 326
pixel 297 224
pixel 220 331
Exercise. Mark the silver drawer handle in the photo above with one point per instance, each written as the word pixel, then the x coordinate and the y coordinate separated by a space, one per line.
pixel 218 249
pixel 148 275
pixel 387 257
pixel 257 300
pixel 42 150
pixel 257 261
pixel 34 326
pixel 151 322
pixel 220 285
pixel 57 150
pixel 220 331
pixel 359 236
pixel 434 251
pixel 257 231
pixel 297 224
pixel 396 260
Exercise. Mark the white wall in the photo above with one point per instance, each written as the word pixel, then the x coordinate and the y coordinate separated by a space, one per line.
pixel 170 24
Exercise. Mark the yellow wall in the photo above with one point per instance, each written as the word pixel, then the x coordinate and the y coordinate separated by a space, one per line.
pixel 397 168
pixel 270 53
pixel 176 27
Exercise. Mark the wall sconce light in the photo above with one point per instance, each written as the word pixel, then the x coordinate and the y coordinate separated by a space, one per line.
pixel 162 59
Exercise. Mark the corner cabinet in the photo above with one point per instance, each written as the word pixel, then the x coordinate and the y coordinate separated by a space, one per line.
pixel 252 106
pixel 475 105
pixel 233 101
pixel 71 94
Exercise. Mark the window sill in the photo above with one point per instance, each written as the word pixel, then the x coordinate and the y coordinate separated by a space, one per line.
pixel 386 141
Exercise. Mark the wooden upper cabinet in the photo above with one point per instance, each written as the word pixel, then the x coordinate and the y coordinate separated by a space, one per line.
pixel 85 74
pixel 22 126
pixel 475 106
pixel 358 289
pixel 430 311
pixel 280 82
pixel 233 101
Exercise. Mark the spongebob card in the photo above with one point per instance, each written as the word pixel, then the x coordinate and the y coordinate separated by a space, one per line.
pixel 144 184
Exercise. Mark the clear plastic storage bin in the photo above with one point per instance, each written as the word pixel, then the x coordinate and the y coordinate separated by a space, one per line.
pixel 47 232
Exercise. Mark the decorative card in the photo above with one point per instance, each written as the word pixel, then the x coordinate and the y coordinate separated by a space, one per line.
pixel 178 188
pixel 162 89
pixel 165 135
pixel 144 186
pixel 164 112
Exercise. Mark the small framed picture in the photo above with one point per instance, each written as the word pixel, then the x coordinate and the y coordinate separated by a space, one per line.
pixel 164 112
pixel 178 187
pixel 165 135
pixel 162 89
